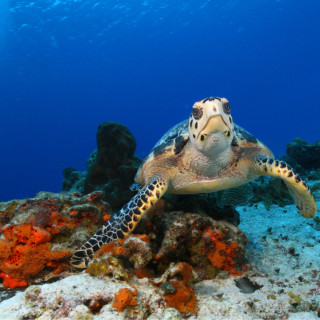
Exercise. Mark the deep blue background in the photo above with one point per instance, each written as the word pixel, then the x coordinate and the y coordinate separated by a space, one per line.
pixel 67 66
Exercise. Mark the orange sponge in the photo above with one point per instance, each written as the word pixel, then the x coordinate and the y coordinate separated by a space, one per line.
pixel 183 299
pixel 10 282
pixel 26 251
pixel 222 256
pixel 123 298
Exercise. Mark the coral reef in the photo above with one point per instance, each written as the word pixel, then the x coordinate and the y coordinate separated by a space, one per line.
pixel 138 251
pixel 108 265
pixel 45 229
pixel 305 154
pixel 40 232
pixel 204 243
pixel 175 284
pixel 270 191
pixel 209 246
pixel 115 165
pixel 110 168
pixel 73 180
pixel 177 248
pixel 207 204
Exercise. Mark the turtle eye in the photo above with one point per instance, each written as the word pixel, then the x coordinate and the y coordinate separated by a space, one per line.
pixel 197 113
pixel 227 108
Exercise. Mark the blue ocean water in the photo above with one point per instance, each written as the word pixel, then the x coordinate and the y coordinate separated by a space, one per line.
pixel 67 66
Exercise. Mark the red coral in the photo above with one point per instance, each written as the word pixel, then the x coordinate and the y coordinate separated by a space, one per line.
pixel 26 251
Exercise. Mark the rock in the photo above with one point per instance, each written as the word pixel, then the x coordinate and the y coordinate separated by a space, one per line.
pixel 199 240
pixel 171 314
pixel 305 154
pixel 110 168
pixel 108 265
pixel 73 180
pixel 271 191
pixel 137 251
pixel 117 139
pixel 113 167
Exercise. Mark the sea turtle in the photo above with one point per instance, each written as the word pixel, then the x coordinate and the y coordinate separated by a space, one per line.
pixel 203 154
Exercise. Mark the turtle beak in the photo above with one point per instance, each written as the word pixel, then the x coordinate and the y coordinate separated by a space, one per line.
pixel 214 124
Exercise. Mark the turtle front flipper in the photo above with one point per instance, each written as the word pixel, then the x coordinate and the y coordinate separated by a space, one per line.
pixel 123 223
pixel 298 188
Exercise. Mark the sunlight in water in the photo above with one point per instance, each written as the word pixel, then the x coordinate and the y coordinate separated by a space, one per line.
pixel 4 25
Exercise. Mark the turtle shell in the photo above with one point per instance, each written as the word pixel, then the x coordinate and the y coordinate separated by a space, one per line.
pixel 244 139
pixel 173 141
pixel 171 144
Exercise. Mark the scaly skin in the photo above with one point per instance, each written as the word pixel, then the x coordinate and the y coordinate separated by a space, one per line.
pixel 123 223
pixel 298 188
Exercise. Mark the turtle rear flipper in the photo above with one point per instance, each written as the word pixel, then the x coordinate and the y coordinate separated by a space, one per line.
pixel 298 188
pixel 234 197
pixel 123 223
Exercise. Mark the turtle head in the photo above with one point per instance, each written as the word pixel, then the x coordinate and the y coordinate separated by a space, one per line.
pixel 211 128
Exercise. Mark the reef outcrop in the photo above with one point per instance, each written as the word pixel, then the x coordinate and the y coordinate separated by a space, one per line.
pixel 110 168
pixel 305 154
pixel 43 231
pixel 208 246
